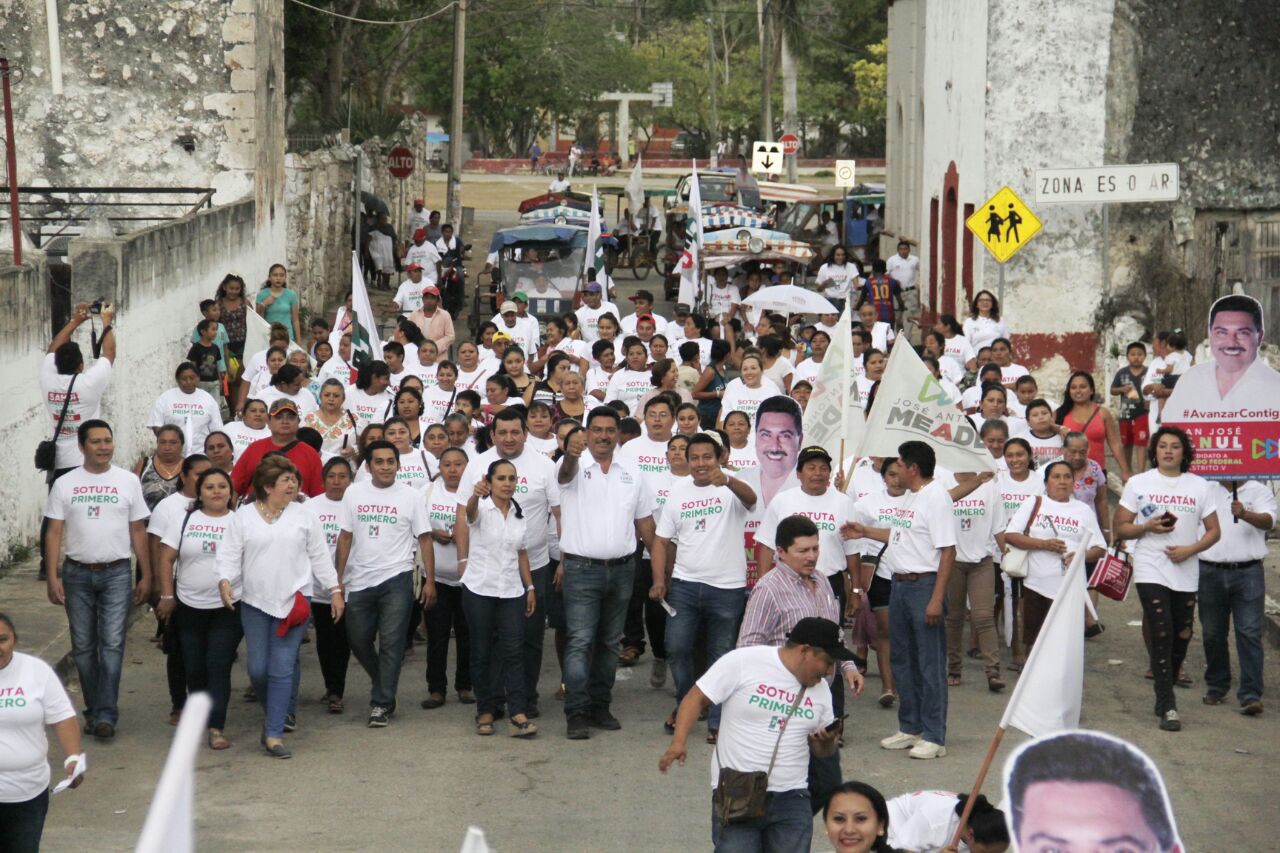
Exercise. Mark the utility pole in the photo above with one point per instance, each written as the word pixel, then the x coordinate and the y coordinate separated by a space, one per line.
pixel 711 75
pixel 12 164
pixel 453 198
pixel 766 75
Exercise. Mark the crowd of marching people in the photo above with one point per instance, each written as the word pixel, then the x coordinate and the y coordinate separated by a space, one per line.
pixel 637 484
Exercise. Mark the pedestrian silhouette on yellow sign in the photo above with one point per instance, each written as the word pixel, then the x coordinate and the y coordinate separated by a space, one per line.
pixel 1013 220
pixel 994 221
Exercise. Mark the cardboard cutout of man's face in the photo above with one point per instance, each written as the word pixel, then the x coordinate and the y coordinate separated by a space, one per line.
pixel 1234 339
pixel 778 441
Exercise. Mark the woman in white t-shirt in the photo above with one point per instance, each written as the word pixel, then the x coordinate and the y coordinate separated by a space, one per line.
pixel 1163 509
pixel 208 633
pixel 290 383
pixel 251 427
pixel 873 364
pixel 955 345
pixel 836 277
pixel 742 449
pixel 471 373
pixel 881 333
pixel 925 821
pixel 995 404
pixel 441 399
pixel 370 400
pixel 446 618
pixel 188 407
pixel 497 597
pixel 332 648
pixel 24 779
pixel 983 325
pixel 778 369
pixel 1051 528
pixel 749 390
pixel 1017 484
pixel 415 469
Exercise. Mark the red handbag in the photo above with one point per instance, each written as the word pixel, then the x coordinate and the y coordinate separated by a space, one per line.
pixel 1113 575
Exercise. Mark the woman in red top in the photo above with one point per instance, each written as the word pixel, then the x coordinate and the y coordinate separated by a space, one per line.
pixel 1080 413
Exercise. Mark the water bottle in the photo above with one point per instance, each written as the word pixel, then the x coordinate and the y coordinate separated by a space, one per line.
pixel 1146 510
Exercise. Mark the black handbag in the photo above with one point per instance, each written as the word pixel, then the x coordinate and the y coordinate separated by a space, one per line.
pixel 741 795
pixel 47 450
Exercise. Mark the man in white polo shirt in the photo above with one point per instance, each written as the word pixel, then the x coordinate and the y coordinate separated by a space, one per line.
pixel 539 496
pixel 605 505
pixel 379 521
pixel 98 513
pixel 648 453
pixel 706 516
pixel 922 539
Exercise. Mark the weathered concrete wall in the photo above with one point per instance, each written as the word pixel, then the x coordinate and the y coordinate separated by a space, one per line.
pixel 907 209
pixel 157 278
pixel 24 317
pixel 182 93
pixel 1215 112
pixel 321 213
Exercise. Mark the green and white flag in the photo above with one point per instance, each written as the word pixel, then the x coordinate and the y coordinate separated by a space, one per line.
pixel 365 346
pixel 834 415
pixel 595 248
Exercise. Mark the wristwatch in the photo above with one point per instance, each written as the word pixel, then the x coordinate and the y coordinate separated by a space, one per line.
pixel 528 589
pixel 856 590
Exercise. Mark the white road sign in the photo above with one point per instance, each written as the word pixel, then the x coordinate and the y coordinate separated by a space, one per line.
pixel 1108 184
pixel 766 157
pixel 845 172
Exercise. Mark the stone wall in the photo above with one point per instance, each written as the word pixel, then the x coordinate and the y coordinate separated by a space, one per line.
pixel 321 214
pixel 157 278
pixel 179 93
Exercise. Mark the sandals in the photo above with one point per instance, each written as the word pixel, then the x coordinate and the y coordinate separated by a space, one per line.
pixel 887 699
pixel 335 705
pixel 217 740
pixel 1183 680
pixel 713 735
pixel 669 724
pixel 484 728
pixel 995 683
pixel 953 681
pixel 525 728
pixel 628 657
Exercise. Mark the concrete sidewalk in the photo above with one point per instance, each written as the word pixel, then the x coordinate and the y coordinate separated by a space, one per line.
pixel 42 627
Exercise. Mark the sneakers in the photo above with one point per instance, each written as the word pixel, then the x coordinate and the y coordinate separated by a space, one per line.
pixel 290 722
pixel 925 750
pixel 1170 722
pixel 378 717
pixel 103 730
pixel 900 740
pixel 579 728
pixel 602 719
pixel 658 673
pixel 1252 708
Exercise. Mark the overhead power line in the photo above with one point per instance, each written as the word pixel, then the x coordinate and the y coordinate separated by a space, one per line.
pixel 427 17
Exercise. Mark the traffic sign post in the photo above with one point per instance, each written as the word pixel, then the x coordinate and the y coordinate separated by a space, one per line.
pixel 846 171
pixel 400 162
pixel 766 157
pixel 1004 224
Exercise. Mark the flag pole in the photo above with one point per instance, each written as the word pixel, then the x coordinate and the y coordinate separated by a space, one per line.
pixel 843 484
pixel 977 786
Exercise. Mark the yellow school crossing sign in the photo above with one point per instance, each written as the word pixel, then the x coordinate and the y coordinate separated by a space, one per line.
pixel 1004 224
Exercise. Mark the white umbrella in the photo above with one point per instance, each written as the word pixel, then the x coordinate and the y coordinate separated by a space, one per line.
pixel 790 298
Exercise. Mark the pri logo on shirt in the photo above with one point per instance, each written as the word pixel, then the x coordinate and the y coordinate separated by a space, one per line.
pixel 208 547
pixel 375 530
pixel 700 526
pixel 94 511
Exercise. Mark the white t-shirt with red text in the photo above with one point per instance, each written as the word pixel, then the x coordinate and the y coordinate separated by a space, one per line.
pixel 85 405
pixel 1191 499
pixel 707 522
pixel 1072 521
pixel 922 524
pixel 96 510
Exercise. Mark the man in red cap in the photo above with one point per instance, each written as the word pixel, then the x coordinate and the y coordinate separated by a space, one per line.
pixel 283 421
pixel 417 215
pixel 423 252
pixel 408 296
pixel 435 322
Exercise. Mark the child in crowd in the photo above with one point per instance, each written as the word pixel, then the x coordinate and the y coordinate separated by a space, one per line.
pixel 207 356
pixel 1132 415
pixel 1177 361
pixel 1026 389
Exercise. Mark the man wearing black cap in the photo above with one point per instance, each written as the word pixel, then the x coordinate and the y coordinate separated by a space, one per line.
pixel 643 300
pixel 283 422
pixel 776 706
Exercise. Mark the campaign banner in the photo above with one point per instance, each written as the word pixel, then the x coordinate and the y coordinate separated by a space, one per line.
pixel 1229 406
pixel 1234 450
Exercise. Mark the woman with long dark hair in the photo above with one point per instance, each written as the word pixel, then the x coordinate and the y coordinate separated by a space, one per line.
pixel 278 304
pixel 331 639
pixel 231 300
pixel 857 819
pixel 1080 412
pixel 983 325
pixel 208 632
pixel 446 618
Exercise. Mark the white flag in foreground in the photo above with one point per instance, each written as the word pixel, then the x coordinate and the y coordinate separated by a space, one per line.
pixel 257 334
pixel 171 821
pixel 833 413
pixel 365 345
pixel 1047 696
pixel 911 406
pixel 635 188
pixel 475 841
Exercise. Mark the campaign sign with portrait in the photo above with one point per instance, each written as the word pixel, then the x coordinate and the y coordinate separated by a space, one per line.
pixel 1230 406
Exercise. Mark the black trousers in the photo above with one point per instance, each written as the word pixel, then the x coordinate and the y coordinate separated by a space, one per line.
pixel 442 619
pixel 1171 618
pixel 643 613
pixel 331 648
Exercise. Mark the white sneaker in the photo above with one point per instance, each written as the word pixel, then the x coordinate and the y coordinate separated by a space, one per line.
pixel 900 740
pixel 925 750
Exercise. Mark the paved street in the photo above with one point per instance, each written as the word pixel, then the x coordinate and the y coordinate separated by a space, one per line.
pixel 420 782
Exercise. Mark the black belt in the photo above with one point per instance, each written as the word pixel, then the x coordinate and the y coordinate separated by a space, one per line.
pixel 615 561
pixel 98 567
pixel 1231 566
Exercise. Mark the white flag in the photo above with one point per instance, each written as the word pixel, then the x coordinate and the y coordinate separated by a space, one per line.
pixel 257 333
pixel 690 287
pixel 594 258
pixel 475 841
pixel 635 188
pixel 912 406
pixel 365 345
pixel 1046 698
pixel 171 826
pixel 833 412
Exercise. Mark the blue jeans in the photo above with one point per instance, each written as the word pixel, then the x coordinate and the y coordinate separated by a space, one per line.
pixel 787 826
pixel 1228 595
pixel 595 611
pixel 497 628
pixel 273 665
pixel 98 614
pixel 381 613
pixel 22 824
pixel 720 610
pixel 209 639
pixel 918 656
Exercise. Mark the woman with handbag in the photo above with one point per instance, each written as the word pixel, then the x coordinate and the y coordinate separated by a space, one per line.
pixel 208 633
pixel 1017 485
pixel 274 550
pixel 1050 529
